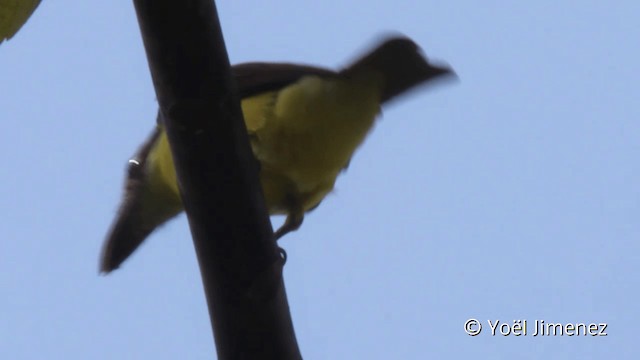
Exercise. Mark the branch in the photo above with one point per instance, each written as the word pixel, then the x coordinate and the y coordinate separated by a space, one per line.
pixel 240 263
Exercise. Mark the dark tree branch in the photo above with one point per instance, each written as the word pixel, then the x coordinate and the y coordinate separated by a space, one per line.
pixel 240 262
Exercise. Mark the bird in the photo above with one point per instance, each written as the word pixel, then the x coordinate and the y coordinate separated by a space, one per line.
pixel 304 124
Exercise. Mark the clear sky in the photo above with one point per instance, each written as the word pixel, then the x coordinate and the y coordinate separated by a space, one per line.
pixel 511 194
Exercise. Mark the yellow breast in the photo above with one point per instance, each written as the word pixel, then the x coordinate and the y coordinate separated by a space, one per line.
pixel 303 136
pixel 307 133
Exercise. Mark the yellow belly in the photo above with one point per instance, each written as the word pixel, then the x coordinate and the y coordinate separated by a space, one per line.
pixel 303 136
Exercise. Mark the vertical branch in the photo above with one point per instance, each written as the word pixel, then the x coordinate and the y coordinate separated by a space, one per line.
pixel 240 263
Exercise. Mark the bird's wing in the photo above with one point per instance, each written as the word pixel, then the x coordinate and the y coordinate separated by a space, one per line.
pixel 262 81
pixel 259 77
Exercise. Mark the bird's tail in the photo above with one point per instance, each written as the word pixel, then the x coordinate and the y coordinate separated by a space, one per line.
pixel 144 207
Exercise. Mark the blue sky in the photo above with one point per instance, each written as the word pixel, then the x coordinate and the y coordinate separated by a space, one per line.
pixel 511 194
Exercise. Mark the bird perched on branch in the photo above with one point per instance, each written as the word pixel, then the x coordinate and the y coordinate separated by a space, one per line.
pixel 304 125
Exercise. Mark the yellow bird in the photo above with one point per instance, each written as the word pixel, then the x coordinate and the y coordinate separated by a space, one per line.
pixel 13 14
pixel 304 125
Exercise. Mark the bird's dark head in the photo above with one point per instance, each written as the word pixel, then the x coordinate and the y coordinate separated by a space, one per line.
pixel 401 64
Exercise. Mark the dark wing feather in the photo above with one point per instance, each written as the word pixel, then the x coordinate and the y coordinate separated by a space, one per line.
pixel 259 77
